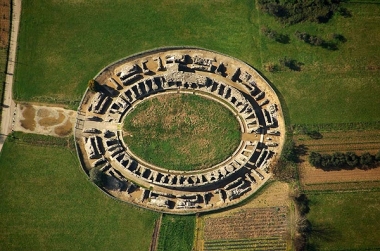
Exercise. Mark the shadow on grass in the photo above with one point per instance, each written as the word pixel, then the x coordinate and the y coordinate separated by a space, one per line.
pixel 322 233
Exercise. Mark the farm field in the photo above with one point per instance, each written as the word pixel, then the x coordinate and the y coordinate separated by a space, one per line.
pixel 177 233
pixel 262 223
pixel 182 132
pixel 344 220
pixel 343 141
pixel 348 75
pixel 48 204
pixel 259 229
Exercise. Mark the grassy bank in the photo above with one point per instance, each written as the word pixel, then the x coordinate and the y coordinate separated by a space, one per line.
pixel 48 204
pixel 177 233
pixel 344 220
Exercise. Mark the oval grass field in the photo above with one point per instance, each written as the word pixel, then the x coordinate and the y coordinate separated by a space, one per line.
pixel 181 132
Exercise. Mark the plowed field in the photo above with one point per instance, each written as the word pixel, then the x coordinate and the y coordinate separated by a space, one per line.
pixel 355 141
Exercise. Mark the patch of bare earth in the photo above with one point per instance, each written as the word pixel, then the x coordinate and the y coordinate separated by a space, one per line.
pixel 29 114
pixel 53 121
pixel 65 129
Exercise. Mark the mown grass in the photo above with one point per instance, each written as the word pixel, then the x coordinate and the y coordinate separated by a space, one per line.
pixel 176 233
pixel 344 220
pixel 182 132
pixel 47 203
pixel 332 86
pixel 62 45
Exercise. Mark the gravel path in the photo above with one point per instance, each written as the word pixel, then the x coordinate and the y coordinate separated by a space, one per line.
pixel 7 117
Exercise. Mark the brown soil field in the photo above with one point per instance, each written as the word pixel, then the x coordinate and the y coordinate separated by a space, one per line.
pixel 354 141
pixel 5 12
pixel 29 113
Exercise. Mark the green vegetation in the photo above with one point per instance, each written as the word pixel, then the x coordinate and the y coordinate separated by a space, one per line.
pixel 93 85
pixel 47 204
pixel 338 160
pixel 176 233
pixel 270 243
pixel 344 221
pixel 292 12
pixel 182 132
pixel 331 86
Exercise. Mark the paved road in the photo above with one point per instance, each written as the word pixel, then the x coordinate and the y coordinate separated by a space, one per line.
pixel 9 105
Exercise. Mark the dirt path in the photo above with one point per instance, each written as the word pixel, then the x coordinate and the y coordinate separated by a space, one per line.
pixel 9 104
pixel 156 232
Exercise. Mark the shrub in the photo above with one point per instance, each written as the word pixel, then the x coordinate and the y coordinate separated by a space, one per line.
pixel 97 176
pixel 93 85
pixel 271 67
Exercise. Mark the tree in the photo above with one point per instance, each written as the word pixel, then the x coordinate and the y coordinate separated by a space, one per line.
pixel 377 157
pixel 338 159
pixel 352 159
pixel 315 159
pixel 366 159
pixel 288 152
pixel 326 161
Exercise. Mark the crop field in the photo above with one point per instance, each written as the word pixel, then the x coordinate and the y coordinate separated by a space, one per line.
pixel 48 204
pixel 343 141
pixel 182 132
pixel 344 220
pixel 176 233
pixel 331 87
pixel 255 228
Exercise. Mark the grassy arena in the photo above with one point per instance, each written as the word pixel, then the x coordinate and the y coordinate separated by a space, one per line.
pixel 182 132
pixel 61 47
pixel 48 204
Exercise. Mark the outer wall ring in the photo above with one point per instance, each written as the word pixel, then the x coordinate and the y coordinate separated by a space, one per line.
pixel 227 80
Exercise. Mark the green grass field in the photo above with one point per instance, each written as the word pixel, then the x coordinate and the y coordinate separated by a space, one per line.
pixel 182 132
pixel 176 233
pixel 63 44
pixel 48 204
pixel 345 221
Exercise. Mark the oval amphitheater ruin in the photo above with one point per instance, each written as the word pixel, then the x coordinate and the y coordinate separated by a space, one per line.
pixel 229 81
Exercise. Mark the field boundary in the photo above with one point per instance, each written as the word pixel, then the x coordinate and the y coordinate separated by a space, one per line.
pixel 328 127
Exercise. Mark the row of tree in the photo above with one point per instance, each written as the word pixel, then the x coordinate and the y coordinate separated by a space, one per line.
pixel 318 41
pixel 292 12
pixel 346 160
